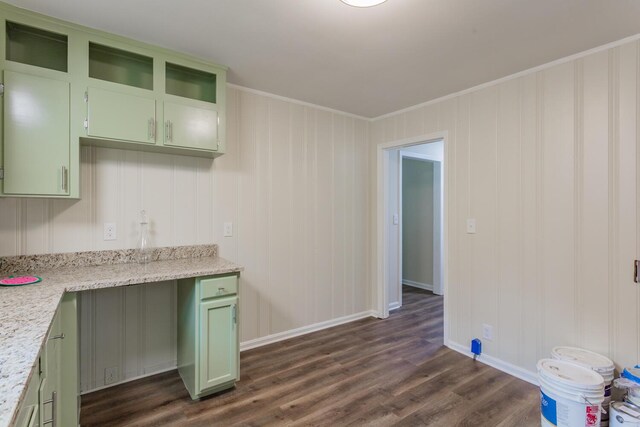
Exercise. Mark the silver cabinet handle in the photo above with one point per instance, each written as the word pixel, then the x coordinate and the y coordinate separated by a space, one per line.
pixel 167 130
pixel 57 337
pixel 234 314
pixel 53 403
pixel 222 291
pixel 152 129
pixel 171 130
pixel 65 179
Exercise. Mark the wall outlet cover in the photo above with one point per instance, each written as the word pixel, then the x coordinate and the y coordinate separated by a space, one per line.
pixel 228 229
pixel 110 375
pixel 487 332
pixel 110 231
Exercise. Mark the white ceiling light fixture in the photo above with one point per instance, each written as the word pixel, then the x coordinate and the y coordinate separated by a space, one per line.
pixel 363 3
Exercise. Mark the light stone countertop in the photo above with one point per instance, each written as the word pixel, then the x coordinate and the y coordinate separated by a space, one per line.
pixel 26 312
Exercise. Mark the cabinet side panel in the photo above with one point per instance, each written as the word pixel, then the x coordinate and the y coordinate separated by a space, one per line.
pixel 187 333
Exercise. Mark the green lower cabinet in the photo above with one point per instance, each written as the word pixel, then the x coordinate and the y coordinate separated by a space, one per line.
pixel 120 116
pixel 51 397
pixel 36 135
pixel 218 342
pixel 208 348
pixel 190 127
pixel 29 413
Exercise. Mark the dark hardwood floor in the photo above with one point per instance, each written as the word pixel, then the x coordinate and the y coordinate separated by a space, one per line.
pixel 369 372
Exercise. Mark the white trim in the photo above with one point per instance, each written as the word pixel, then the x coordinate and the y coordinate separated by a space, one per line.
pixel 514 76
pixel 394 305
pixel 506 367
pixel 128 380
pixel 425 286
pixel 297 101
pixel 281 336
pixel 381 256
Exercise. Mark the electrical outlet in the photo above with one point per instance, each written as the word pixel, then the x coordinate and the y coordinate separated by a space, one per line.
pixel 110 375
pixel 471 226
pixel 487 332
pixel 396 219
pixel 110 231
pixel 228 229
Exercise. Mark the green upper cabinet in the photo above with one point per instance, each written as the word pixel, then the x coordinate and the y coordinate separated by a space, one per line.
pixel 137 98
pixel 90 87
pixel 36 135
pixel 120 116
pixel 190 127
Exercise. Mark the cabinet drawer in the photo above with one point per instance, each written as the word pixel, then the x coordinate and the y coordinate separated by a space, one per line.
pixel 218 287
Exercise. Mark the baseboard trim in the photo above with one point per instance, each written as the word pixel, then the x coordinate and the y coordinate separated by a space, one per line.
pixel 281 336
pixel 394 306
pixel 139 377
pixel 425 286
pixel 494 362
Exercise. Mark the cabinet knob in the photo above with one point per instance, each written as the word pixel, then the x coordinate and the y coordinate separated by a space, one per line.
pixel 222 291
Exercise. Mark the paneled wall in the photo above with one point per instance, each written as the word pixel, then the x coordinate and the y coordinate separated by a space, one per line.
pixel 547 164
pixel 294 182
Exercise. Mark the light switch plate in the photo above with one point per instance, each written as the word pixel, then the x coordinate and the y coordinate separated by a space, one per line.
pixel 471 226
pixel 228 229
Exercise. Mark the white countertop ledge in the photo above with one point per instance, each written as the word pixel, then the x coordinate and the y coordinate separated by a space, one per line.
pixel 26 312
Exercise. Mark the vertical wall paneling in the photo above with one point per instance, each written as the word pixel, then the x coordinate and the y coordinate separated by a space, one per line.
pixel 529 237
pixel 547 163
pixel 294 183
pixel 509 217
pixel 594 194
pixel 625 293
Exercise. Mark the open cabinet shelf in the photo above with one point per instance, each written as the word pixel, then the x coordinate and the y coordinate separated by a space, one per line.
pixel 120 66
pixel 189 83
pixel 37 47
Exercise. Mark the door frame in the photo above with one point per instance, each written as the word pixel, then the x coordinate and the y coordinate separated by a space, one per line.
pixel 437 221
pixel 382 223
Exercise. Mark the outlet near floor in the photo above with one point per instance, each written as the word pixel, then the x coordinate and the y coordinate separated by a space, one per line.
pixel 487 332
pixel 110 375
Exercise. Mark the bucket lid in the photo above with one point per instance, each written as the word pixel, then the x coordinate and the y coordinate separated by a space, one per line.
pixel 632 374
pixel 586 358
pixel 570 374
pixel 626 409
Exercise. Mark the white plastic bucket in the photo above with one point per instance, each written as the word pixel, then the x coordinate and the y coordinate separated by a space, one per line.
pixel 624 415
pixel 594 361
pixel 570 395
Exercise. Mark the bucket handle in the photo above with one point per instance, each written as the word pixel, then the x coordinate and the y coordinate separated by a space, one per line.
pixel 602 410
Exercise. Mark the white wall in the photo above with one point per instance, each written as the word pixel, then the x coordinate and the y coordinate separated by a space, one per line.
pixel 547 164
pixel 293 182
pixel 418 227
pixel 393 208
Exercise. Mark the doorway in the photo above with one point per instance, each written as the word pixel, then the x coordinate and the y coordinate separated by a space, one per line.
pixel 421 180
pixel 429 148
pixel 415 211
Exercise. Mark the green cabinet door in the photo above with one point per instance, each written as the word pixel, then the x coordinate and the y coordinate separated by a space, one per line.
pixel 218 342
pixel 190 127
pixel 36 135
pixel 50 364
pixel 28 415
pixel 120 116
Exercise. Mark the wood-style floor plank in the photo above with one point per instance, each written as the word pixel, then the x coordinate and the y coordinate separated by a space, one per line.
pixel 369 372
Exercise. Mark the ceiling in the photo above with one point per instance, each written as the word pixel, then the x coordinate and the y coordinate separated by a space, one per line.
pixel 369 61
